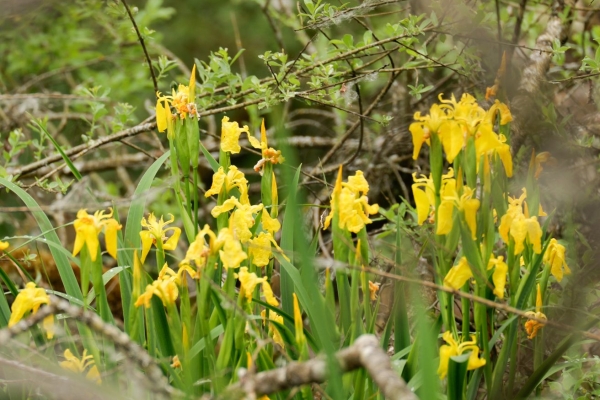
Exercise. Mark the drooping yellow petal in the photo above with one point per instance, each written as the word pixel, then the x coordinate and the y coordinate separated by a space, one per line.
pixel 30 299
pixel 171 243
pixel 161 117
pixel 269 295
pixel 217 183
pixel 227 205
pixel 470 208
pixel 499 275
pixel 248 282
pixel 555 257
pixel 269 224
pixel 452 139
pixel 232 254
pixel 422 203
pixel 418 136
pixel 458 274
pixel 534 233
pixel 147 242
pixel 445 217
pixel 260 249
pixel 110 237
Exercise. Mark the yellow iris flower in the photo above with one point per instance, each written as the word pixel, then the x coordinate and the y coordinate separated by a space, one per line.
pixel 183 100
pixel 465 203
pixel 199 251
pixel 3 245
pixel 452 348
pixel 79 366
pixel 461 273
pixel 241 220
pixel 249 281
pixel 156 231
pixel 424 193
pixel 30 299
pixel 455 121
pixel 555 256
pixel 233 179
pixel 165 286
pixel 232 254
pixel 532 327
pixel 88 227
pixel 520 225
pixel 349 200
pixel 259 249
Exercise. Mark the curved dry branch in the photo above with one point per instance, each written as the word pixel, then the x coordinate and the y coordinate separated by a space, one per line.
pixel 156 381
pixel 365 353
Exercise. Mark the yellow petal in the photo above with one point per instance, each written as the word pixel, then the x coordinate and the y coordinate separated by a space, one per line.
pixel 270 224
pixel 470 208
pixel 147 241
pixel 269 296
pixel 499 277
pixel 418 137
pixel 161 117
pixel 444 217
pixel 217 183
pixel 260 249
pixel 110 237
pixel 534 232
pixel 3 245
pixel 458 275
pixel 171 243
pixel 228 205
pixel 452 139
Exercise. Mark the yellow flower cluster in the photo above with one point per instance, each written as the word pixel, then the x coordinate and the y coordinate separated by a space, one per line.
pixel 461 273
pixel 350 202
pixel 182 100
pixel 249 281
pixel 165 286
pixel 456 122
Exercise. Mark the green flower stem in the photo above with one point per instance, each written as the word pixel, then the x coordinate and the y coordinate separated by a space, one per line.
pixel 401 324
pixel 160 254
pixel 196 200
pixel 465 308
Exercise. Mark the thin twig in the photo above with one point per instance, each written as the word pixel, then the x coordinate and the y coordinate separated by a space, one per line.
pixel 141 39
